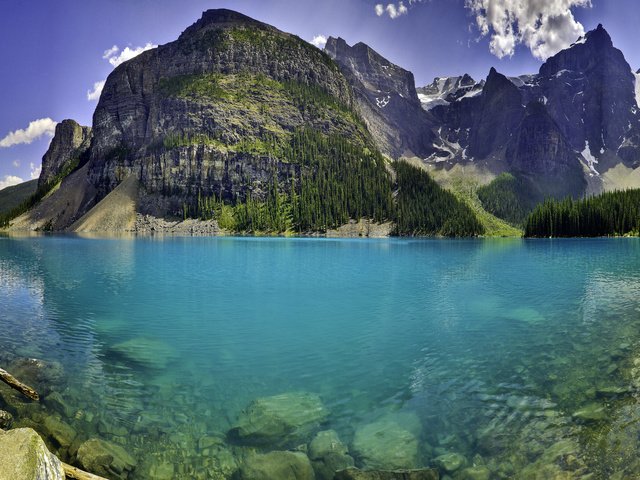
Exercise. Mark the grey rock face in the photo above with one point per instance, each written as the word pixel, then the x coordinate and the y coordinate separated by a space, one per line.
pixel 70 141
pixel 590 89
pixel 386 98
pixel 23 454
pixel 154 105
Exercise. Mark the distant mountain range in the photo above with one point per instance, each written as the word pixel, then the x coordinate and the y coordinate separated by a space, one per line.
pixel 238 115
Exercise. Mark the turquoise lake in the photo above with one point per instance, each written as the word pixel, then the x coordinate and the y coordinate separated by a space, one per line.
pixel 521 356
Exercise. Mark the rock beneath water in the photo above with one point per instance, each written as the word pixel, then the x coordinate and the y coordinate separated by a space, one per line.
pixel 390 443
pixel 450 462
pixel 55 401
pixel 282 420
pixel 326 467
pixel 474 473
pixel 325 443
pixel 23 455
pixel 60 432
pixel 277 466
pixel 328 455
pixel 146 352
pixel 36 373
pixel 356 474
pixel 104 458
pixel 6 419
pixel 591 413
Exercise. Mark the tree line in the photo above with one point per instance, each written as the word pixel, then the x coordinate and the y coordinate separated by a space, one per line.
pixel 608 214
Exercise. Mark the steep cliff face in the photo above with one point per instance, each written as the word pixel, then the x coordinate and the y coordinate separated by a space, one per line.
pixel 69 143
pixel 539 151
pixel 208 113
pixel 590 91
pixel 386 98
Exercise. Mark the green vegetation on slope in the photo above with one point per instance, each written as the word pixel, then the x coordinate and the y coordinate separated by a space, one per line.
pixel 41 192
pixel 424 208
pixel 508 198
pixel 339 180
pixel 13 196
pixel 611 213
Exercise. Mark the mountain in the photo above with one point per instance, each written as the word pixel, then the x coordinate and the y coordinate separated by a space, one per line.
pixel 386 98
pixel 446 90
pixel 255 129
pixel 572 128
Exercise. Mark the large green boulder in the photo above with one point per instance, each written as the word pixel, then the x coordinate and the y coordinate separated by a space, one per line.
pixel 389 443
pixel 146 352
pixel 104 458
pixel 279 421
pixel 24 456
pixel 277 466
pixel 328 455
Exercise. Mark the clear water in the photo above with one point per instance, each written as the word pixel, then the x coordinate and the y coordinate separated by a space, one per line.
pixel 492 344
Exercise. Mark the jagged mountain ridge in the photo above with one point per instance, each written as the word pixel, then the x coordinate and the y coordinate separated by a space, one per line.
pixel 588 114
pixel 386 98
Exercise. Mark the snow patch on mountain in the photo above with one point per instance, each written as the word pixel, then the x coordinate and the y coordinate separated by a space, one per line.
pixel 590 160
pixel 446 90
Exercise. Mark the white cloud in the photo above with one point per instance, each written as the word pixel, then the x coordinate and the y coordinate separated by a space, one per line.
pixel 94 94
pixel 10 180
pixel 35 130
pixel 544 26
pixel 115 57
pixel 16 163
pixel 35 170
pixel 392 9
pixel 319 41
pixel 110 52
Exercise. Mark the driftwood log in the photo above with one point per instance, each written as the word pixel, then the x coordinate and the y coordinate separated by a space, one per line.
pixel 77 474
pixel 16 384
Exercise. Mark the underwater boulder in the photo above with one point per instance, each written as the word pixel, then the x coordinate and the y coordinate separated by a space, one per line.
pixel 277 466
pixel 450 462
pixel 328 455
pixel 281 420
pixel 104 458
pixel 6 419
pixel 146 352
pixel 388 443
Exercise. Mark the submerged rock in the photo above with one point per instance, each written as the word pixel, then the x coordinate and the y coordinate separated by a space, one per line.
pixel 6 419
pixel 328 455
pixel 277 466
pixel 146 352
pixel 324 443
pixel 474 473
pixel 391 442
pixel 450 462
pixel 104 458
pixel 281 420
pixel 61 434
pixel 356 474
pixel 591 413
pixel 23 455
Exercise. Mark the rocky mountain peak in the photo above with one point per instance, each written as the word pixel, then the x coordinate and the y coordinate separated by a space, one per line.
pixel 220 17
pixel 70 141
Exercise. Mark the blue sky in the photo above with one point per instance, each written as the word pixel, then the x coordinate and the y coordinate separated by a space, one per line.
pixel 54 52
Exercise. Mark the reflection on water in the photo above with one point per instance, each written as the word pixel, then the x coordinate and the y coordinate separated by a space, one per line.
pixel 517 355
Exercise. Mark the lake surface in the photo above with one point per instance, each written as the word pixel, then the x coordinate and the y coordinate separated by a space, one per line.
pixel 518 355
